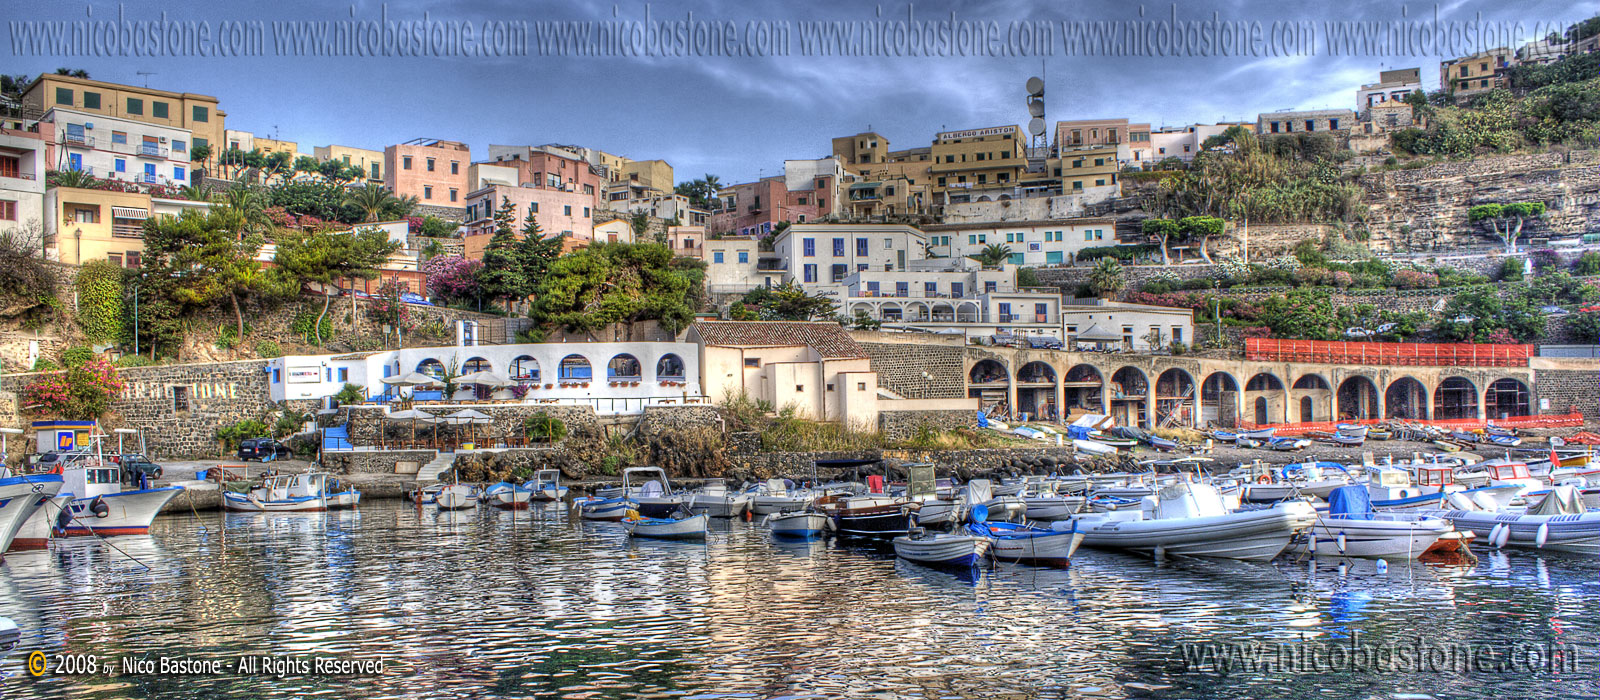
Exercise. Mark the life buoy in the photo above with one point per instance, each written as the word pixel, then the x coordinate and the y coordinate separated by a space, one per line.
pixel 1264 479
pixel 55 469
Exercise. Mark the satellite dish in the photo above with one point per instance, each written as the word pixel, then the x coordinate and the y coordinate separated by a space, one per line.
pixel 1036 126
pixel 1035 87
pixel 1036 108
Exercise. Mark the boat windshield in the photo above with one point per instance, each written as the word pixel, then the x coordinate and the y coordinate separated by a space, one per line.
pixel 1393 477
pixel 1437 477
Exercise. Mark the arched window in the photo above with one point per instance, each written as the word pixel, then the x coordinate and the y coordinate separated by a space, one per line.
pixel 476 364
pixel 525 368
pixel 670 367
pixel 432 368
pixel 575 368
pixel 623 366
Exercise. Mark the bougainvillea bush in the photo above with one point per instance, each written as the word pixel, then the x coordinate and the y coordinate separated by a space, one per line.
pixel 80 393
pixel 453 277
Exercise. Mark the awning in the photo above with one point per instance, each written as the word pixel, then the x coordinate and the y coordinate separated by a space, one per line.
pixel 126 213
pixel 1095 334
pixel 865 186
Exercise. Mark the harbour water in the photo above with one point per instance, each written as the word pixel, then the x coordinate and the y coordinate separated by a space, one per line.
pixel 471 604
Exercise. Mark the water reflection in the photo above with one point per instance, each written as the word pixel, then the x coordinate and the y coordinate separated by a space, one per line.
pixel 539 602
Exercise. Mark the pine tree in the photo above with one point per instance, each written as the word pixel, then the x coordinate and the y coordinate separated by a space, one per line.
pixel 502 275
pixel 535 253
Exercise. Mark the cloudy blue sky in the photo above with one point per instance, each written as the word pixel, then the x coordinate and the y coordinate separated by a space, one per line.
pixel 738 117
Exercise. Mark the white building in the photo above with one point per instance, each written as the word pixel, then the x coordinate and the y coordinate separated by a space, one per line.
pixel 22 167
pixel 827 253
pixel 1032 243
pixel 824 177
pixel 1183 142
pixel 1136 324
pixel 1392 86
pixel 733 266
pixel 120 149
pixel 612 377
pixel 948 295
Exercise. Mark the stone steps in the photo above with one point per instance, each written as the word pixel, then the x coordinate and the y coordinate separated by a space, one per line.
pixel 432 470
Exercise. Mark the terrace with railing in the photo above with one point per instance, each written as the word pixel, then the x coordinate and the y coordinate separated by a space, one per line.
pixel 1389 354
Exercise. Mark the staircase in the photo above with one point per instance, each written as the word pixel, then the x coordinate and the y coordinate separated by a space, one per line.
pixel 432 470
pixel 336 438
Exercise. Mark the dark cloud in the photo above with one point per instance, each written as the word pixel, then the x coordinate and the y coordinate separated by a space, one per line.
pixel 741 117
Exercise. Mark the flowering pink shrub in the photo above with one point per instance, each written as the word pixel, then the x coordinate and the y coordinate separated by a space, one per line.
pixel 453 277
pixel 80 393
pixel 414 224
pixel 1182 300
pixel 1257 332
pixel 1415 279
pixel 1343 279
pixel 1501 336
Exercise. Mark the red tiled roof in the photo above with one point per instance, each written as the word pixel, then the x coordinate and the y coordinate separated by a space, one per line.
pixel 829 339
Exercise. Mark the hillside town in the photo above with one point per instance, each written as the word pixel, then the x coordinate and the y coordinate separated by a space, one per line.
pixel 1047 317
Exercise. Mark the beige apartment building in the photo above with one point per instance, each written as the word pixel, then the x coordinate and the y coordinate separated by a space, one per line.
pixel 1089 166
pixel 179 110
pixel 1131 141
pixel 83 225
pixel 368 160
pixel 965 163
pixel 433 171
pixel 1477 73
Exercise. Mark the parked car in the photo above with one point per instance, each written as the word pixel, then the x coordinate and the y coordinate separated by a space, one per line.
pixel 264 449
pixel 136 465
pixel 1357 333
pixel 1553 310
pixel 49 461
pixel 415 298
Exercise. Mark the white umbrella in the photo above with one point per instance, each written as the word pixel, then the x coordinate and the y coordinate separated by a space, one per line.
pixel 488 379
pixel 467 416
pixel 413 415
pixel 410 379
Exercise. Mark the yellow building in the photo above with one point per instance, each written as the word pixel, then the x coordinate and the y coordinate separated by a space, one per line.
pixel 858 153
pixel 648 174
pixel 269 146
pixel 1084 168
pixel 1480 72
pixel 967 162
pixel 83 225
pixel 366 159
pixel 184 110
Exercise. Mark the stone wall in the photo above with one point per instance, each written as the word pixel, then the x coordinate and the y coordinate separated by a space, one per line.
pixel 966 464
pixel 373 462
pixel 1564 389
pixel 1065 206
pixel 901 425
pixel 453 214
pixel 217 394
pixel 900 367
pixel 364 421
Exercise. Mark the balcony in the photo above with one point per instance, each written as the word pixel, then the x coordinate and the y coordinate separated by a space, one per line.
pixel 79 140
pixel 150 150
pixel 18 175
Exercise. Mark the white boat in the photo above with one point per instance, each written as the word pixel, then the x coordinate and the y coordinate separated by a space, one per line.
pixel 798 524
pixel 715 499
pixel 1191 519
pixel 1027 544
pixel 547 486
pixel 692 527
pixel 1261 434
pixel 281 493
pixel 22 498
pixel 456 496
pixel 100 506
pixel 980 492
pixel 1505 472
pixel 942 549
pixel 779 496
pixel 1557 522
pixel 602 509
pixel 40 527
pixel 650 493
pixel 1390 488
pixel 1093 448
pixel 425 494
pixel 506 495
pixel 340 497
pixel 1052 500
pixel 1351 528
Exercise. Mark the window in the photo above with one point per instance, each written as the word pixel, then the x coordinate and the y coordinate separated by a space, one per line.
pixel 120 165
pixel 158 110
pixel 861 386
pixel 1333 124
pixel 344 374
pixel 989 286
pixel 1177 334
pixel 200 114
pixel 179 174
pixel 744 256
pixel 930 289
pixel 808 247
pixel 430 165
pixel 983 238
pixel 566 210
pixel 115 258
pixel 1311 125
pixel 798 388
pixel 902 289
pixel 375 174
pixel 957 289
pixel 8 210
pixel 64 96
pixel 91 100
pixel 861 246
pixel 811 274
pixel 716 257
pixel 180 398
pixel 839 271
pixel 200 143
pixel 972 239
pixel 533 207
pixel 405 162
pixel 838 247
pixel 136 107
pixel 10 166
pixel 427 191
pixel 888 244
pixel 452 194
pixel 455 168
pixel 179 146
pixel 133 258
pixel 86 215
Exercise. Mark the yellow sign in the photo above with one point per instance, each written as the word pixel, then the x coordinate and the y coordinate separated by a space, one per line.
pixel 36 664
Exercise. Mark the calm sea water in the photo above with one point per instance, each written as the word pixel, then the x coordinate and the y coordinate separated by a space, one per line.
pixel 479 605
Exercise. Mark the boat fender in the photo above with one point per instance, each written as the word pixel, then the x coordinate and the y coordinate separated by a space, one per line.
pixel 1383 566
pixel 1494 534
pixel 1505 536
pixel 1341 543
pixel 99 508
pixel 1543 536
pixel 64 518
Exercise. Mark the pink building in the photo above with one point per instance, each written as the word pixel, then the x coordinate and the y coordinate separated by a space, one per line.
pixel 545 168
pixel 559 212
pixel 687 241
pixel 756 208
pixel 433 171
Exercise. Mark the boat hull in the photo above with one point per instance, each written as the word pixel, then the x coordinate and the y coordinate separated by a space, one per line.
pixel 1258 535
pixel 940 512
pixel 456 497
pixel 798 524
pixel 243 503
pixel 601 509
pixel 21 498
pixel 768 505
pixel 720 506
pixel 127 513
pixel 875 521
pixel 661 507
pixel 1564 533
pixel 39 528
pixel 943 550
pixel 344 499
pixel 1394 537
pixel 550 494
pixel 1034 546
pixel 690 528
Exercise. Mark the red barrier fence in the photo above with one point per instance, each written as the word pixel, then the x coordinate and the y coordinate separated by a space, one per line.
pixel 1569 420
pixel 1403 354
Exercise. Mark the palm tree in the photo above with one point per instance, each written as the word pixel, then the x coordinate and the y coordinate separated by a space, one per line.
pixel 370 199
pixel 197 192
pixel 1106 277
pixel 993 255
pixel 71 178
pixel 712 184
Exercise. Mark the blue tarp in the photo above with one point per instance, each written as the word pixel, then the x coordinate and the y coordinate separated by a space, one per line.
pixel 983 420
pixel 1078 432
pixel 1351 502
